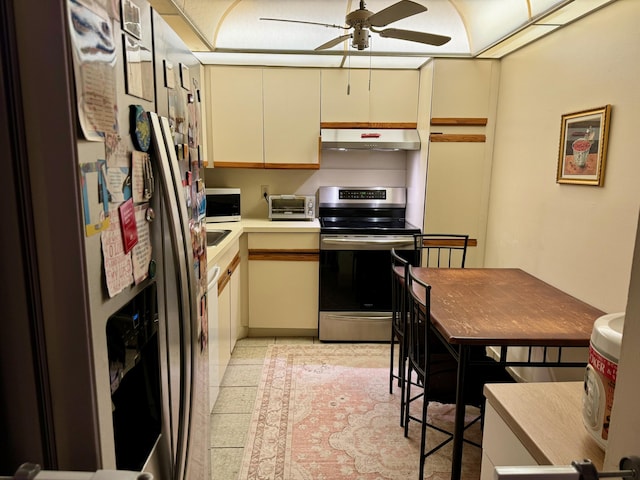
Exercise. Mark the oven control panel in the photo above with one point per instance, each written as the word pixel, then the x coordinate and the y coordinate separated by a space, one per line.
pixel 361 194
pixel 362 197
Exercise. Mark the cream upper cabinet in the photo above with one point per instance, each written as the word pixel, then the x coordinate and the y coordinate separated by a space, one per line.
pixel 385 96
pixel 235 116
pixel 394 96
pixel 263 117
pixel 345 96
pixel 291 116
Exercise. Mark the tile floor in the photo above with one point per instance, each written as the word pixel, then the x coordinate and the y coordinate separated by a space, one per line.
pixel 232 411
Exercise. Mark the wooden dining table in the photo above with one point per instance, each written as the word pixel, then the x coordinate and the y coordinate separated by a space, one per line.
pixel 501 308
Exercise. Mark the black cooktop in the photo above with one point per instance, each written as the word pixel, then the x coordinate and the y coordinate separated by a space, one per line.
pixel 367 226
pixel 363 211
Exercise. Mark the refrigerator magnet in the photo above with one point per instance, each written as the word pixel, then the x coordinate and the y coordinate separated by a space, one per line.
pixel 128 225
pixel 140 127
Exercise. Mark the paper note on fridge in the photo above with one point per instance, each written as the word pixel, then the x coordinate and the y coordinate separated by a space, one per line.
pixel 141 253
pixel 118 270
pixel 95 196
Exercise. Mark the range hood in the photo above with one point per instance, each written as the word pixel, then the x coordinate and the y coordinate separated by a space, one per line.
pixel 369 139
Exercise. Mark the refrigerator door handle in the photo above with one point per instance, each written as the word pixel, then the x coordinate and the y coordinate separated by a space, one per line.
pixel 169 176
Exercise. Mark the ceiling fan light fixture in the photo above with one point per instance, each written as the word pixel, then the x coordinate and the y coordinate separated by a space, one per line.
pixel 360 38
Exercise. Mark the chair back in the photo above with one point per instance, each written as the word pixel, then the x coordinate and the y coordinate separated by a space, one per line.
pixel 434 365
pixel 399 269
pixel 419 314
pixel 440 250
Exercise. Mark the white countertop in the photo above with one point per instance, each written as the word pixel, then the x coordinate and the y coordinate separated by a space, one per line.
pixel 256 225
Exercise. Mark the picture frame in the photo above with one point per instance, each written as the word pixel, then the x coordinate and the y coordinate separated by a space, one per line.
pixel 131 19
pixel 133 67
pixel 584 139
pixel 169 76
pixel 184 76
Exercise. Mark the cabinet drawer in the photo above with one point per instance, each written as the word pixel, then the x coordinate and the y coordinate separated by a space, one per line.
pixel 284 241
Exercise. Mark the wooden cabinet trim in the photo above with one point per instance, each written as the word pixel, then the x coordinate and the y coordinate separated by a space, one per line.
pixel 432 242
pixel 380 125
pixel 293 166
pixel 457 137
pixel 282 166
pixel 218 164
pixel 459 121
pixel 225 276
pixel 287 255
pixel 222 282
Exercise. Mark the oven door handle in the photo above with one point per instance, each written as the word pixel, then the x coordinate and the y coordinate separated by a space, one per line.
pixel 374 318
pixel 397 242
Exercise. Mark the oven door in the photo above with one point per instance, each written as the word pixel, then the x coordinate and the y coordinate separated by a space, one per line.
pixel 355 285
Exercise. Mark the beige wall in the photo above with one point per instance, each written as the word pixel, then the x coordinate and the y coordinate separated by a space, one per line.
pixel 579 238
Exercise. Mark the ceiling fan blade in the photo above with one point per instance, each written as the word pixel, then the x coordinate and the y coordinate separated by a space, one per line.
pixel 420 37
pixel 334 42
pixel 302 21
pixel 397 11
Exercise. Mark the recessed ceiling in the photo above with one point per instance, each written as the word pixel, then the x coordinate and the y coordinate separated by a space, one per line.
pixel 231 32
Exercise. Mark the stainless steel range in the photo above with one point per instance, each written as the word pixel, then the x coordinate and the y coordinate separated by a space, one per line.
pixel 359 227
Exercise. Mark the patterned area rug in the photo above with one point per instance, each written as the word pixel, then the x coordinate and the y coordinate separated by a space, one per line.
pixel 324 412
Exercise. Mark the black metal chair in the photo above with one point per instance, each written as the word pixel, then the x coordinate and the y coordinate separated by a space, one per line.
pixel 434 369
pixel 441 250
pixel 399 269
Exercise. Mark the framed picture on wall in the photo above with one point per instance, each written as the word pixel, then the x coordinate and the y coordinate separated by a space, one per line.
pixel 131 19
pixel 584 137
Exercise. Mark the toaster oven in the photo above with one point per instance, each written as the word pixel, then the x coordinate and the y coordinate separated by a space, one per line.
pixel 291 207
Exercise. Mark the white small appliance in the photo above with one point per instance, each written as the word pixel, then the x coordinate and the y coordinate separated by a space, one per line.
pixel 223 205
pixel 600 375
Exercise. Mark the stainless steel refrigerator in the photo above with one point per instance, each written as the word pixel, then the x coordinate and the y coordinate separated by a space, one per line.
pixel 103 348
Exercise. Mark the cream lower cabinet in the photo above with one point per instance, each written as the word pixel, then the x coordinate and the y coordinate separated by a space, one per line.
pixel 538 423
pixel 229 307
pixel 500 446
pixel 283 283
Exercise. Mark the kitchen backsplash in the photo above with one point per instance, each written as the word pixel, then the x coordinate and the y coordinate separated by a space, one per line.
pixel 353 168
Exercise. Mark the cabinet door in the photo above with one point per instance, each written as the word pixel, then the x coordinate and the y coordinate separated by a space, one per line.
pixel 500 446
pixel 224 314
pixel 283 294
pixel 283 281
pixel 235 116
pixel 394 96
pixel 235 309
pixel 387 96
pixel 340 105
pixel 291 117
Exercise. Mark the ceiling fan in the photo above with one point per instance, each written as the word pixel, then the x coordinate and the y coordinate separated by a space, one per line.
pixel 363 20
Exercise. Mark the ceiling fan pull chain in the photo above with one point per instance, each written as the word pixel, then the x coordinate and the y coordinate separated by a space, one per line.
pixel 349 76
pixel 370 50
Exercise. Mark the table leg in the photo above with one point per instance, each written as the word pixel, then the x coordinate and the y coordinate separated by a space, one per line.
pixel 458 430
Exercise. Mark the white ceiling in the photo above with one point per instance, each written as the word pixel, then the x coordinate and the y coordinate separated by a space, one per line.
pixel 231 32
